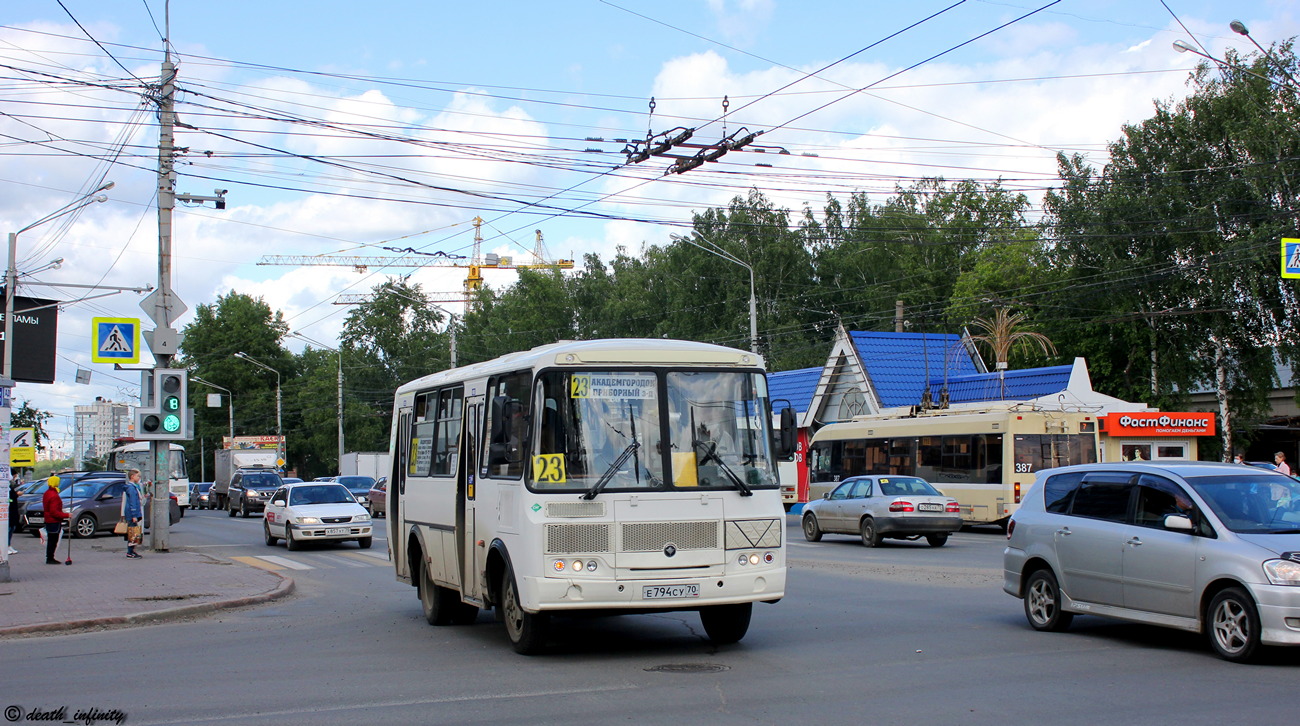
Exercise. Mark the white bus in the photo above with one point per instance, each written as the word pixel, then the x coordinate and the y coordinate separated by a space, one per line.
pixel 616 476
pixel 986 459
pixel 136 456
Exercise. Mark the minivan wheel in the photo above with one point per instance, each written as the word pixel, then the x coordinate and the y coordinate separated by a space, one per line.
pixel 1233 625
pixel 1043 603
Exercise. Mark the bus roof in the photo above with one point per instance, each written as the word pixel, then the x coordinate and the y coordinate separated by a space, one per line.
pixel 611 351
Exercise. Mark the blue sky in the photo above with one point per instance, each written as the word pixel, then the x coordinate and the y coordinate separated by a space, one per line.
pixel 489 107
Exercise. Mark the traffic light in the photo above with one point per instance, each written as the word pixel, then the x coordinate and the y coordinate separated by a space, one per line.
pixel 168 418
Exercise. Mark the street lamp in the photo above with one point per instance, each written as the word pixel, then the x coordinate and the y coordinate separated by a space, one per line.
pixel 279 430
pixel 230 404
pixel 1239 28
pixel 11 274
pixel 753 307
pixel 1183 47
pixel 318 344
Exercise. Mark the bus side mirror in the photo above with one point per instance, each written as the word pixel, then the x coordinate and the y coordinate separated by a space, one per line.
pixel 786 435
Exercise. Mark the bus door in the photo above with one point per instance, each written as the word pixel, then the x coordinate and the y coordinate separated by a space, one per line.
pixel 396 491
pixel 471 558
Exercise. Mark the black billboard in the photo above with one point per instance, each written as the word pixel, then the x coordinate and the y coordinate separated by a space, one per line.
pixel 36 334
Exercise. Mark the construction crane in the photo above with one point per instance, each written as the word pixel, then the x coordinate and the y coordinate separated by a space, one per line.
pixel 475 263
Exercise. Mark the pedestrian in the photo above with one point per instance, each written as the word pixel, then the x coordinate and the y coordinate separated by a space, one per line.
pixel 132 513
pixel 1238 459
pixel 1280 459
pixel 54 518
pixel 13 513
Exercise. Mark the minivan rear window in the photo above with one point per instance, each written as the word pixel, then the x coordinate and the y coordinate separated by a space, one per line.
pixel 1058 490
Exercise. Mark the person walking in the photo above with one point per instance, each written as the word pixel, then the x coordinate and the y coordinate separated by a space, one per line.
pixel 54 518
pixel 13 513
pixel 1280 459
pixel 132 513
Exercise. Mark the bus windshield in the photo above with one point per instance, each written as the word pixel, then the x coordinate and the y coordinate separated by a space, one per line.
pixel 611 430
pixel 123 460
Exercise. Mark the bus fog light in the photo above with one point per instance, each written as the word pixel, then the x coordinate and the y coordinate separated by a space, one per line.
pixel 591 566
pixel 559 566
pixel 753 559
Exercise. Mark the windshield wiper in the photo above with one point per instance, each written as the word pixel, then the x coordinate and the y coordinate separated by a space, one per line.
pixel 613 468
pixel 712 454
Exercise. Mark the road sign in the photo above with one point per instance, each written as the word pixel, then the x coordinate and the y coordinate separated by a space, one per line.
pixel 22 447
pixel 163 307
pixel 117 340
pixel 1290 257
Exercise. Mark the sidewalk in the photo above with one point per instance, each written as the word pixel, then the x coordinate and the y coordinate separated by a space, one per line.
pixel 103 588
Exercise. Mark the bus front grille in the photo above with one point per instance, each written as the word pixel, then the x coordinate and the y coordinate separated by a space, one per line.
pixel 654 536
pixel 563 539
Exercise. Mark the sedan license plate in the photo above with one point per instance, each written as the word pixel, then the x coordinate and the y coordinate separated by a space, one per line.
pixel 929 507
pixel 36 520
pixel 657 592
pixel 336 530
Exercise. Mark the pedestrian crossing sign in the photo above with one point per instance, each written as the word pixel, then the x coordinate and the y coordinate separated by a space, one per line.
pixel 1290 257
pixel 117 340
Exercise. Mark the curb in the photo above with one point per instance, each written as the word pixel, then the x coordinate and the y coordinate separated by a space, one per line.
pixel 285 587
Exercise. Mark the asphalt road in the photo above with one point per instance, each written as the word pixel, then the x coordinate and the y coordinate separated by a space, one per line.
pixel 904 633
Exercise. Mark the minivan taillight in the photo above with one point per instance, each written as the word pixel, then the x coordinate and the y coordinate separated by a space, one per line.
pixel 901 505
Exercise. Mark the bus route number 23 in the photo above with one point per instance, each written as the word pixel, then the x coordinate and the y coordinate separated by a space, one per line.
pixel 549 469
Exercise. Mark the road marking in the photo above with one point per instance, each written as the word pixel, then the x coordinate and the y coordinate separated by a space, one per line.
pixel 257 562
pixel 337 561
pixel 285 562
pixel 369 553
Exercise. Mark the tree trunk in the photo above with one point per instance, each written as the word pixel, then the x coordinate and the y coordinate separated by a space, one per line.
pixel 1221 390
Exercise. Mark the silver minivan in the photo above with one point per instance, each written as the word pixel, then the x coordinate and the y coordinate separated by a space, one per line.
pixel 1200 546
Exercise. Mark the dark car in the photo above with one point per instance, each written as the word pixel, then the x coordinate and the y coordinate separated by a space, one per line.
pixel 200 495
pixel 359 486
pixel 93 504
pixel 36 491
pixel 379 498
pixel 250 489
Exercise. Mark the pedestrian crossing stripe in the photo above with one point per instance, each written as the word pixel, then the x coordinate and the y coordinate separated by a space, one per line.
pixel 323 561
pixel 117 340
pixel 1290 257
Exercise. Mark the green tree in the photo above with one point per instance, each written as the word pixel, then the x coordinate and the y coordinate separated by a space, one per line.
pixel 237 323
pixel 1180 231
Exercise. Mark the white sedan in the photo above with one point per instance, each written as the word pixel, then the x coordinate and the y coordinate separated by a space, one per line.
pixel 878 507
pixel 315 512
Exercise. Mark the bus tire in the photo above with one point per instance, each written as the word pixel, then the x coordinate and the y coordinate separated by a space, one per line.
pixel 726 624
pixel 811 531
pixel 870 537
pixel 433 599
pixel 527 631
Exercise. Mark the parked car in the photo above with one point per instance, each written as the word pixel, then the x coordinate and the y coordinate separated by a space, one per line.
pixel 315 512
pixel 200 495
pixel 1200 546
pixel 879 507
pixel 94 504
pixel 359 486
pixel 290 479
pixel 36 492
pixel 325 478
pixel 379 498
pixel 250 489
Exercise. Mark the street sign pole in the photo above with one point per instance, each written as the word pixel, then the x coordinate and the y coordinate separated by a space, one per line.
pixel 6 397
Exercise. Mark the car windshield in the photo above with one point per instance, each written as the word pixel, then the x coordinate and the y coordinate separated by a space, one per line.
pixel 893 486
pixel 1252 503
pixel 262 481
pixel 320 494
pixel 356 483
pixel 203 486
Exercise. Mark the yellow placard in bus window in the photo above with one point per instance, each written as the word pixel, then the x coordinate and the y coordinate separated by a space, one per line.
pixel 549 469
pixel 410 457
pixel 580 387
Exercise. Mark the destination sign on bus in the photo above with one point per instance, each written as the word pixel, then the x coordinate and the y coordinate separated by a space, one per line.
pixel 621 386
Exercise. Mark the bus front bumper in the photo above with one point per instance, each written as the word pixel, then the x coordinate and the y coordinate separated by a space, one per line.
pixel 679 593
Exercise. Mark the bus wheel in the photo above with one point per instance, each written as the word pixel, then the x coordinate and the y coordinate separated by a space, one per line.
pixel 527 630
pixel 811 531
pixel 726 624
